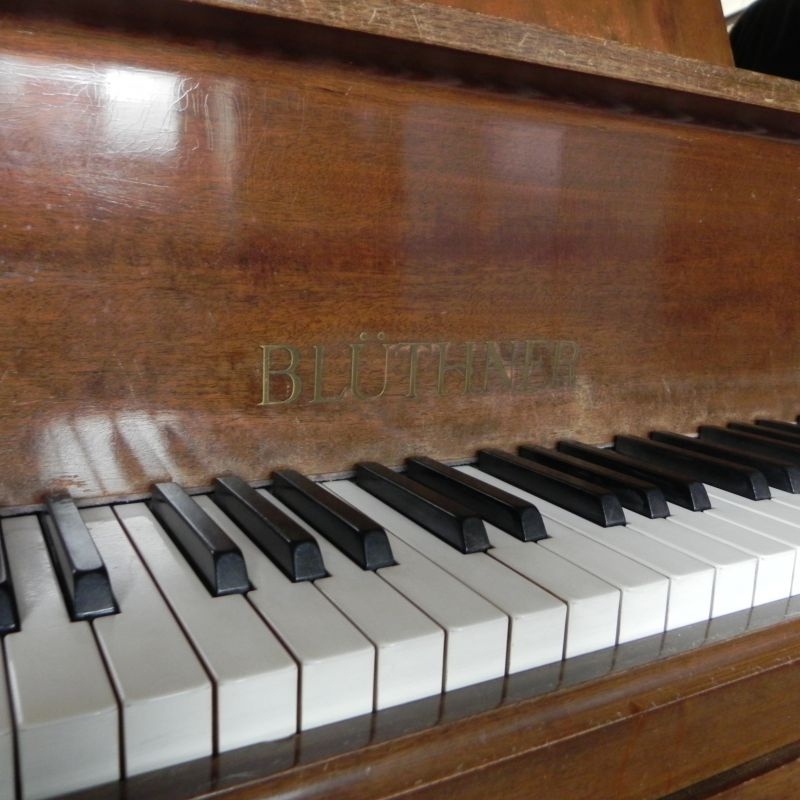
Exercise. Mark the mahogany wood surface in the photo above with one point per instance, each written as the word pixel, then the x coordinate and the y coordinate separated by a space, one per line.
pixel 778 784
pixel 688 28
pixel 172 208
pixel 184 185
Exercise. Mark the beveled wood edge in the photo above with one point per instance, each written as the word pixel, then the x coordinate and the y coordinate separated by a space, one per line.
pixel 763 777
pixel 524 731
pixel 479 34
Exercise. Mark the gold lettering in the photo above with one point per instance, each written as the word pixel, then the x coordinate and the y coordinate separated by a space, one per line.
pixel 464 368
pixel 496 364
pixel 535 376
pixel 355 368
pixel 565 360
pixel 289 372
pixel 319 378
pixel 413 366
pixel 372 369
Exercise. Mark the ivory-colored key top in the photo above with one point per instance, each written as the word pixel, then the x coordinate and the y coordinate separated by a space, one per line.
pixel 409 646
pixel 537 619
pixel 255 678
pixel 336 661
pixel 643 591
pixel 776 560
pixel 65 712
pixel 7 767
pixel 165 695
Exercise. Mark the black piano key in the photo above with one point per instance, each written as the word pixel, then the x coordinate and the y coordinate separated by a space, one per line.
pixel 212 554
pixel 9 618
pixel 276 534
pixel 741 480
pixel 769 431
pixel 83 576
pixel 678 489
pixel 761 445
pixel 508 512
pixel 586 499
pixel 779 474
pixel 444 517
pixel 640 496
pixel 353 532
pixel 779 425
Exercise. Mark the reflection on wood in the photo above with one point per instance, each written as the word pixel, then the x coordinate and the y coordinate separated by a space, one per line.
pixel 552 235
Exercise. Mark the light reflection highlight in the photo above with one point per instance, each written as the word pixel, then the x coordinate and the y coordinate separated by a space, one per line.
pixel 141 110
pixel 92 451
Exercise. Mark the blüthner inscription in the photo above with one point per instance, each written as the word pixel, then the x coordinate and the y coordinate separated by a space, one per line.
pixel 373 368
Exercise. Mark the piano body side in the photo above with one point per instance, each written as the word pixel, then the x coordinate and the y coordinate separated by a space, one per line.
pixel 309 241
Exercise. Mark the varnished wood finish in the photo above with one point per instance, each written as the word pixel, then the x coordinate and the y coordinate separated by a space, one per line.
pixel 688 28
pixel 183 183
pixel 170 208
pixel 778 784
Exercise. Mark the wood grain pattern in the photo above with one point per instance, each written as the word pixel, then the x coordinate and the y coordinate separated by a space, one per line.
pixel 207 203
pixel 186 183
pixel 688 28
pixel 456 42
pixel 527 55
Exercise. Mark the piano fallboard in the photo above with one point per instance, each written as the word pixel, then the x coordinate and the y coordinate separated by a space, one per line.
pixel 303 247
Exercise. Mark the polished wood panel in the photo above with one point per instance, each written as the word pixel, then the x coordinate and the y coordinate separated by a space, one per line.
pixel 208 202
pixel 688 28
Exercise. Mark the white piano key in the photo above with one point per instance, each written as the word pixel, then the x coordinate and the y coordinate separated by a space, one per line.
pixel 336 661
pixel 476 632
pixel 165 694
pixel 786 498
pixel 7 767
pixel 643 592
pixel 783 528
pixel 537 619
pixel 781 509
pixel 255 678
pixel 410 648
pixel 64 708
pixel 776 561
pixel 735 570
pixel 592 604
pixel 691 581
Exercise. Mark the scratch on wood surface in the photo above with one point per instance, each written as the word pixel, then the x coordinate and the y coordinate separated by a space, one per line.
pixel 416 22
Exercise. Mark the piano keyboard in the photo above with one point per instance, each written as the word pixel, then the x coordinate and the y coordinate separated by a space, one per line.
pixel 141 635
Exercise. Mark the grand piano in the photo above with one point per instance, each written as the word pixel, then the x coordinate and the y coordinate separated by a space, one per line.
pixel 276 239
